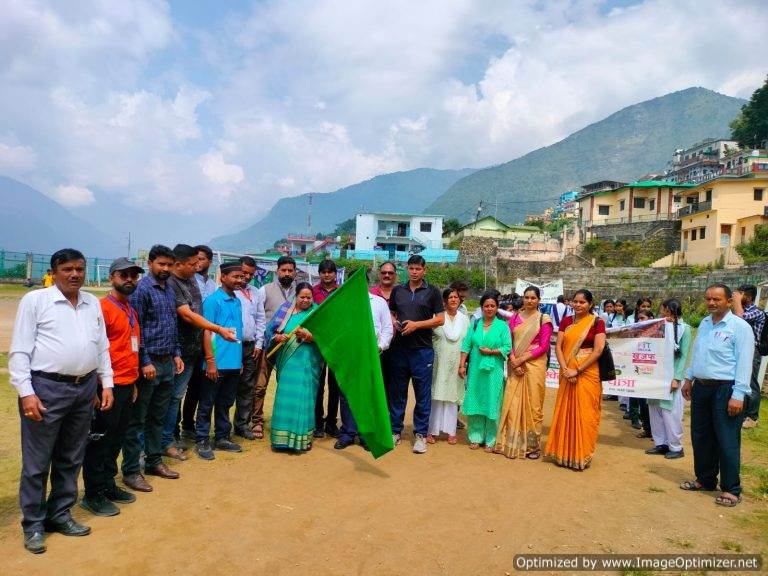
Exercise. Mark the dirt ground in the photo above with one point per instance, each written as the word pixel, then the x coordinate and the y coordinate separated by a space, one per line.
pixel 451 511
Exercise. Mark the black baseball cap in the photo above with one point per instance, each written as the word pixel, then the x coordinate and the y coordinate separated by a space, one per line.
pixel 122 264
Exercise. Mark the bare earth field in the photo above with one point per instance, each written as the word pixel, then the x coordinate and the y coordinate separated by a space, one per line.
pixel 451 511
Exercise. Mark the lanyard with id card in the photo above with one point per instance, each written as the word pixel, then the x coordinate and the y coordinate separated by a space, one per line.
pixel 131 320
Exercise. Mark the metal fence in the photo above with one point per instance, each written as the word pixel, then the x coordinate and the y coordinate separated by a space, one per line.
pixel 23 265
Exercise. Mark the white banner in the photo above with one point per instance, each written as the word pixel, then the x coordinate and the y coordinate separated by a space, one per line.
pixel 549 291
pixel 644 357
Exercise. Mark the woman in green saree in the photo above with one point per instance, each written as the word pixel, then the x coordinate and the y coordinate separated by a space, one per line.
pixel 298 363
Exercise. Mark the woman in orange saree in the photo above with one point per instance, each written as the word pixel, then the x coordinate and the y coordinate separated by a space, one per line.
pixel 575 422
pixel 519 433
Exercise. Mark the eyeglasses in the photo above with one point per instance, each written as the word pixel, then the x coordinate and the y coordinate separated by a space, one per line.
pixel 387 273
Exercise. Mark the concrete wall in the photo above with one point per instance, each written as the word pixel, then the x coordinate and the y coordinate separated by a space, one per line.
pixel 639 231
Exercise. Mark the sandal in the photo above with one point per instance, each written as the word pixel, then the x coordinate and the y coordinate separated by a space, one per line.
pixel 258 431
pixel 694 486
pixel 430 439
pixel 474 446
pixel 452 439
pixel 489 449
pixel 535 455
pixel 728 501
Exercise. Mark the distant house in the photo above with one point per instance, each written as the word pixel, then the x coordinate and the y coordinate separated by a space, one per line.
pixel 490 227
pixel 718 215
pixel 702 161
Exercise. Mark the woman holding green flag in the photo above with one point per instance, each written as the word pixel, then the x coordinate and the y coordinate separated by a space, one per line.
pixel 487 344
pixel 298 363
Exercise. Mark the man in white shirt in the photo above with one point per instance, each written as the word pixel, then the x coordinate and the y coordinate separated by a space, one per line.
pixel 58 353
pixel 254 326
pixel 382 326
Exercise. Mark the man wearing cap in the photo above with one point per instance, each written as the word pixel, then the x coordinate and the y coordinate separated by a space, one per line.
pixel 108 428
pixel 59 348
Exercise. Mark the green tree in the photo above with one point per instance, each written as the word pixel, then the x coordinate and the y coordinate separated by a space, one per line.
pixel 344 228
pixel 750 127
pixel 756 250
pixel 451 226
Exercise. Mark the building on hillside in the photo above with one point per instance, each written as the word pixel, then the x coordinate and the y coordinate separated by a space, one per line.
pixel 395 236
pixel 701 162
pixel 567 206
pixel 718 215
pixel 305 245
pixel 490 227
pixel 545 217
pixel 745 162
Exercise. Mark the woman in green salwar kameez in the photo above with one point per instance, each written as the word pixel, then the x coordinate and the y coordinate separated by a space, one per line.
pixel 298 363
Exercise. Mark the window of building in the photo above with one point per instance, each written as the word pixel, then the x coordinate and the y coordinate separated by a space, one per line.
pixel 708 196
pixel 743 232
pixel 652 205
pixel 621 205
pixel 425 226
pixel 758 194
pixel 638 202
pixel 685 235
pixel 603 209
pixel 693 234
pixel 676 198
pixel 702 233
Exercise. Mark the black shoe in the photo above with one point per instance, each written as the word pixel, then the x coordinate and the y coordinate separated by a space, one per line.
pixel 67 528
pixel 35 542
pixel 672 455
pixel 460 425
pixel 99 505
pixel 115 494
pixel 332 430
pixel 226 445
pixel 318 433
pixel 203 449
pixel 627 416
pixel 636 425
pixel 341 444
pixel 247 434
pixel 663 449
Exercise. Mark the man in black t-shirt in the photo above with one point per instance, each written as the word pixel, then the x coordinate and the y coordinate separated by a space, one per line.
pixel 417 308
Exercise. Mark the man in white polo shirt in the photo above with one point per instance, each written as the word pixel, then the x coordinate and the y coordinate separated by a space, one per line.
pixel 58 354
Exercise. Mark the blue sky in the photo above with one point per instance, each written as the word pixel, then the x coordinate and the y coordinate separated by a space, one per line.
pixel 218 109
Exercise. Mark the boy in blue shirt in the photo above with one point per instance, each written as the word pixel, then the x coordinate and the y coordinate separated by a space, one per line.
pixel 223 363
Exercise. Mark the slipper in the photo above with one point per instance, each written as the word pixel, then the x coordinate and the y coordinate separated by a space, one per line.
pixel 533 455
pixel 489 449
pixel 694 486
pixel 724 500
pixel 452 439
pixel 430 439
pixel 474 446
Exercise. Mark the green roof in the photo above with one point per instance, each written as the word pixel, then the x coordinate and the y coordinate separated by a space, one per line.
pixel 656 184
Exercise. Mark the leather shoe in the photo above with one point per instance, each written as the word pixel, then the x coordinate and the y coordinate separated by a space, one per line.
pixel 663 449
pixel 68 527
pixel 247 434
pixel 35 542
pixel 173 452
pixel 672 455
pixel 137 482
pixel 341 444
pixel 163 471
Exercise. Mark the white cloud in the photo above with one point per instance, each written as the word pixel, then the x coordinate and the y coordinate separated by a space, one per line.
pixel 71 195
pixel 218 171
pixel 16 158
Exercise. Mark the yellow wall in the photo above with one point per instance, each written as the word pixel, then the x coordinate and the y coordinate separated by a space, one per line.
pixel 614 198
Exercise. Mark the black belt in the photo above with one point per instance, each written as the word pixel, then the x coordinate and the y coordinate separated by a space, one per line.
pixel 63 377
pixel 708 382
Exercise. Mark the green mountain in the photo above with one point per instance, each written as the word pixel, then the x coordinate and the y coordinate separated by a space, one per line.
pixel 410 191
pixel 634 141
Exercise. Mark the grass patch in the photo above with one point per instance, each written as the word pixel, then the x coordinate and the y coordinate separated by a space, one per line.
pixel 731 546
pixel 10 451
pixel 3 360
pixel 681 542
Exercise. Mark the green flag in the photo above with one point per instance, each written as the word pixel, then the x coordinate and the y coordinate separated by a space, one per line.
pixel 342 328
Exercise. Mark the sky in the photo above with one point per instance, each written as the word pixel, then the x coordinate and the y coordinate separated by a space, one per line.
pixel 215 110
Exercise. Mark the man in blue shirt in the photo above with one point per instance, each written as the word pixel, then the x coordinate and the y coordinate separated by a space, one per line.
pixel 223 362
pixel 716 383
pixel 160 361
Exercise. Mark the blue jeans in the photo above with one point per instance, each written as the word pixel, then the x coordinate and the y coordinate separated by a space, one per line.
pixel 180 382
pixel 348 424
pixel 218 398
pixel 411 364
pixel 716 438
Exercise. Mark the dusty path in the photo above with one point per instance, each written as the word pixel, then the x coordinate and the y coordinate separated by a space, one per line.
pixel 452 511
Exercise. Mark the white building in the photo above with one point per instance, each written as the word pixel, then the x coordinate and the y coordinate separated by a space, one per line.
pixel 398 232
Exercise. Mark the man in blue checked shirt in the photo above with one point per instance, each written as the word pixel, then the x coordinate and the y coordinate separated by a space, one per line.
pixel 744 307
pixel 160 361
pixel 716 384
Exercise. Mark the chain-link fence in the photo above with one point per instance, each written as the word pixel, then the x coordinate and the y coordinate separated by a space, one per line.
pixel 23 265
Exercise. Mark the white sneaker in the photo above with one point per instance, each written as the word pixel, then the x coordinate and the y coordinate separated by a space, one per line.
pixel 420 445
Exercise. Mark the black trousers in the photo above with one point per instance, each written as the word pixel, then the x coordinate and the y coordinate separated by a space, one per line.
pixel 192 398
pixel 105 441
pixel 716 437
pixel 148 416
pixel 216 398
pixel 331 417
pixel 246 389
pixel 53 447
pixel 752 408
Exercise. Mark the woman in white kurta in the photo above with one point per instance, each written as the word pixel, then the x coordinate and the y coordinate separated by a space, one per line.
pixel 447 385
